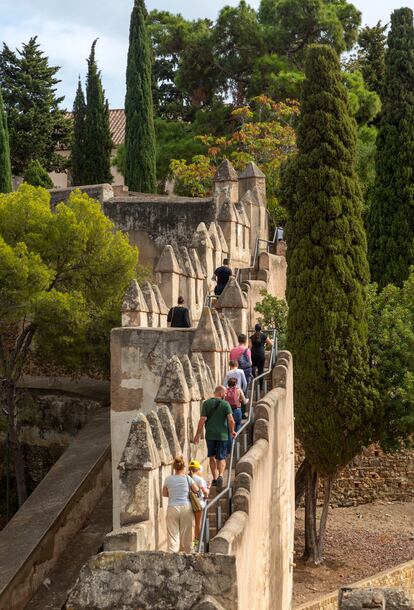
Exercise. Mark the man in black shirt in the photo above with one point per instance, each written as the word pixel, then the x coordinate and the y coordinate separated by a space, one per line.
pixel 179 316
pixel 222 274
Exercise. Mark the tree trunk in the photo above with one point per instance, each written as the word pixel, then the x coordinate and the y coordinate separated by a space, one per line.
pixel 311 536
pixel 15 446
pixel 314 541
pixel 300 482
pixel 324 517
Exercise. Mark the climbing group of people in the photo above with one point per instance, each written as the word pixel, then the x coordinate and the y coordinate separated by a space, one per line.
pixel 221 418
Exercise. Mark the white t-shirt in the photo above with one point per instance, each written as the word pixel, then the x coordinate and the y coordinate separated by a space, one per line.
pixel 178 489
pixel 237 374
pixel 200 482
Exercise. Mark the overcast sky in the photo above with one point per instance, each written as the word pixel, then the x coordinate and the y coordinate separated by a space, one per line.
pixel 66 30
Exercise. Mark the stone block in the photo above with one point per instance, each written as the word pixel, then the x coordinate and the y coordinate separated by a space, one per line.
pixel 131 538
pixel 173 386
pixel 241 500
pixel 160 439
pixel 168 425
pixel 261 430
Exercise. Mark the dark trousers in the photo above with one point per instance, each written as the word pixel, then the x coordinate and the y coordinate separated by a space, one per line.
pixel 258 366
pixel 237 416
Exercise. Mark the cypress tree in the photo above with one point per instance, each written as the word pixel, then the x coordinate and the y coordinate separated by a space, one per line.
pixel 140 153
pixel 98 141
pixel 327 286
pixel 78 138
pixel 391 216
pixel 5 164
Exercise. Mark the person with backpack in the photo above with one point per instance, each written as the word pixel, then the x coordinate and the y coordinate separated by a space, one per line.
pixel 195 473
pixel 236 399
pixel 258 342
pixel 243 356
pixel 217 417
pixel 236 373
pixel 222 275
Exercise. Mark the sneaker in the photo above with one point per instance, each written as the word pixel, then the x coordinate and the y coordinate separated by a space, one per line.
pixel 219 482
pixel 214 483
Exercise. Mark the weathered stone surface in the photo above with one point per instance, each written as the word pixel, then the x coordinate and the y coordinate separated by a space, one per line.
pixel 168 425
pixel 191 378
pixel 220 331
pixel 197 266
pixel 230 535
pixel 241 500
pixel 252 171
pixel 140 451
pixel 261 430
pixel 150 298
pixel 163 309
pixel 250 462
pixel 243 480
pixel 173 386
pixel 201 238
pixel 209 603
pixel 227 212
pixel 227 328
pixel 187 263
pixel 225 172
pixel 167 262
pixel 383 599
pixel 160 439
pixel 129 538
pixel 279 376
pixel 201 376
pixel 134 299
pixel 224 245
pixel 232 296
pixel 149 580
pixel 206 338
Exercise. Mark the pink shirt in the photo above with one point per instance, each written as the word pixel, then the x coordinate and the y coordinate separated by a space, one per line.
pixel 236 352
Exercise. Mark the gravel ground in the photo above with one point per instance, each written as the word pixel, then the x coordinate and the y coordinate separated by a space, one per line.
pixel 360 541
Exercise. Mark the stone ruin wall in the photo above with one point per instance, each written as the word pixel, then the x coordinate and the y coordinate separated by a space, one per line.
pixel 372 475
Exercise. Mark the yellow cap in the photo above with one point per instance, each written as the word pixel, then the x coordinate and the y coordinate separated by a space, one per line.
pixel 194 464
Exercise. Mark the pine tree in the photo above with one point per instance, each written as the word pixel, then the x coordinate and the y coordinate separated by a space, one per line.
pixel 78 138
pixel 327 286
pixel 371 56
pixel 36 175
pixel 5 166
pixel 37 124
pixel 98 141
pixel 391 217
pixel 140 152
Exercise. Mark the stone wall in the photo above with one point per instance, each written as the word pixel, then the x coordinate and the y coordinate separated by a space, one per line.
pixel 249 564
pixel 260 530
pixel 373 475
pixel 401 576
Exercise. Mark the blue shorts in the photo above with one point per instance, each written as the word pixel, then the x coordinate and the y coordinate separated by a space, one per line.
pixel 217 449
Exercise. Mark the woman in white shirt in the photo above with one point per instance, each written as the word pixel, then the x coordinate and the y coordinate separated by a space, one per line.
pixel 180 515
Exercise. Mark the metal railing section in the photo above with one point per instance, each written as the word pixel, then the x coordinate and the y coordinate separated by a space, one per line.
pixel 227 492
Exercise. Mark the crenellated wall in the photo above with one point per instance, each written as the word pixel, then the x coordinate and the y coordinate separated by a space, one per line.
pixel 250 559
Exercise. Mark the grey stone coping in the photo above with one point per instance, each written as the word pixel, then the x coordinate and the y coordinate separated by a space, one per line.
pixel 47 504
pixel 96 389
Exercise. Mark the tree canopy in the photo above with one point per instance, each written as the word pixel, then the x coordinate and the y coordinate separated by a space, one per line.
pixel 327 279
pixel 391 220
pixel 5 164
pixel 62 277
pixel 37 124
pixel 140 148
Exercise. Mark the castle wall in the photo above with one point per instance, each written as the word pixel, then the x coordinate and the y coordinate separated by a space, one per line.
pixel 260 531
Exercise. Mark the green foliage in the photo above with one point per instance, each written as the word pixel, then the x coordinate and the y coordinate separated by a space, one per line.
pixel 292 25
pixel 140 148
pixel 391 339
pixel 97 138
pixel 274 315
pixel 66 273
pixel 78 147
pixel 391 220
pixel 371 56
pixel 244 53
pixel 364 105
pixel 5 165
pixel 262 132
pixel 366 149
pixel 327 274
pixel 37 125
pixel 36 175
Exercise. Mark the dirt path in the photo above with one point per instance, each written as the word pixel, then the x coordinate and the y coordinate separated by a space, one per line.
pixel 360 541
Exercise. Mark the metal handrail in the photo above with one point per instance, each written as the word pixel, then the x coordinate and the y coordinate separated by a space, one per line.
pixel 203 546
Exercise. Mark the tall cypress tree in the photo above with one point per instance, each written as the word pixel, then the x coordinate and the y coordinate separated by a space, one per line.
pixel 78 138
pixel 5 164
pixel 327 286
pixel 140 154
pixel 98 141
pixel 391 217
